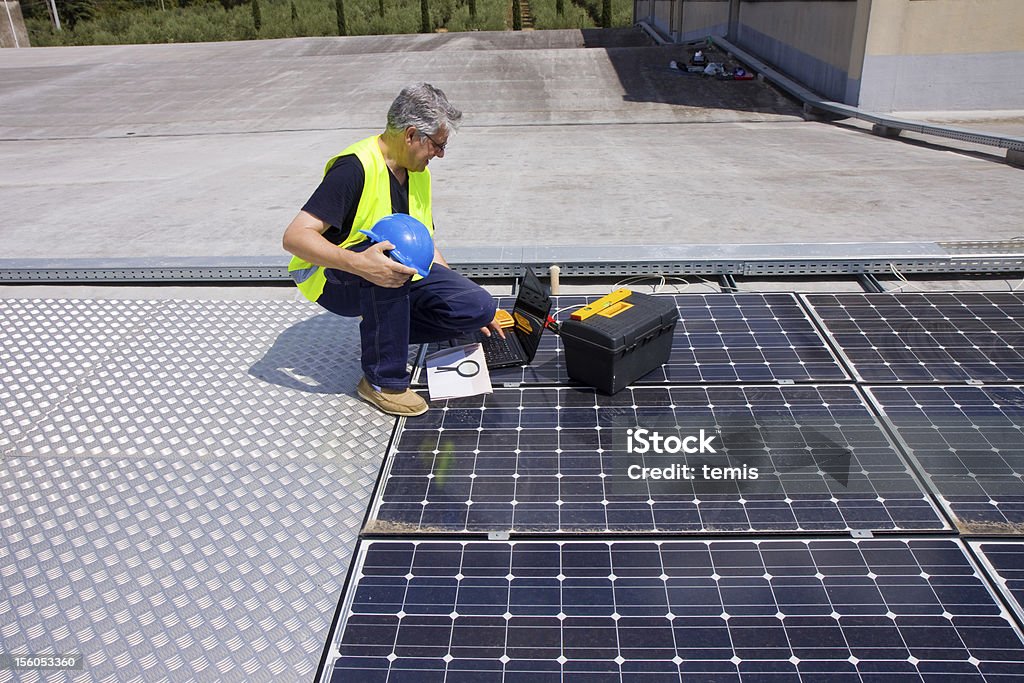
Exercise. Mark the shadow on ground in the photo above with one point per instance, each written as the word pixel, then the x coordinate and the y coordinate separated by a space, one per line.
pixel 319 356
pixel 646 75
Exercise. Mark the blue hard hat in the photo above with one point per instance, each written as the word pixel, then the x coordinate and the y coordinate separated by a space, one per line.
pixel 414 247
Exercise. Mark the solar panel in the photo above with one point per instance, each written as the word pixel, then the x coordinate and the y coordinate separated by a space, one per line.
pixel 720 338
pixel 969 443
pixel 554 460
pixel 1004 561
pixel 582 611
pixel 929 337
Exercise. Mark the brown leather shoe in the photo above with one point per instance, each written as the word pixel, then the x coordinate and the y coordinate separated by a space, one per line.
pixel 403 403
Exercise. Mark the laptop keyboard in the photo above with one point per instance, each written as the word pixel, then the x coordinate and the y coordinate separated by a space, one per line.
pixel 498 350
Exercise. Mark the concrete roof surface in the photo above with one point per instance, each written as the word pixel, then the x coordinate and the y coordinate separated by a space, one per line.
pixel 569 137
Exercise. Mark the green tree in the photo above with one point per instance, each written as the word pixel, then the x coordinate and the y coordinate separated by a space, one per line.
pixel 517 16
pixel 339 9
pixel 380 7
pixel 295 13
pixel 424 16
pixel 606 13
pixel 472 9
pixel 257 16
pixel 560 7
pixel 73 11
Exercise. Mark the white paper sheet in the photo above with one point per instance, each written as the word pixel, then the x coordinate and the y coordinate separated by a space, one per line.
pixel 457 372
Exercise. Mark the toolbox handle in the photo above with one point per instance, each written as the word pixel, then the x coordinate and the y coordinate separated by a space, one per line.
pixel 601 304
pixel 650 336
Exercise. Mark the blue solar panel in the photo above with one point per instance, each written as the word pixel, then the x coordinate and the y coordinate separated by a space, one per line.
pixel 557 460
pixel 582 611
pixel 1005 562
pixel 930 337
pixel 720 338
pixel 552 461
pixel 969 443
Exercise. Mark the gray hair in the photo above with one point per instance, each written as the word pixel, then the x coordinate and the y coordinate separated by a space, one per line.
pixel 423 107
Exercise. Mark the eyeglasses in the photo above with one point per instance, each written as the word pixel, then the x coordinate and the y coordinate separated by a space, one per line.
pixel 437 144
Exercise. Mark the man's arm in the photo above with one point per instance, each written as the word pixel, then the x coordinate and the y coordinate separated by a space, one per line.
pixel 304 238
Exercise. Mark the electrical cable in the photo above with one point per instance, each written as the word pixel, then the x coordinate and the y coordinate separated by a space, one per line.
pixel 903 279
pixel 663 280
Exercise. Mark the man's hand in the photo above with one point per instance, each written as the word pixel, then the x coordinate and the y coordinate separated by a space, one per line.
pixel 377 267
pixel 493 325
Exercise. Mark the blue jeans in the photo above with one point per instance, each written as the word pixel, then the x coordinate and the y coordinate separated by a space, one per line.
pixel 439 307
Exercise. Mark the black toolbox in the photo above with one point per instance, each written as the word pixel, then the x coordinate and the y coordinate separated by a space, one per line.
pixel 618 339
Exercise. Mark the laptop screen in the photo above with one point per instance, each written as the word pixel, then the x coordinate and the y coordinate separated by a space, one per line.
pixel 530 313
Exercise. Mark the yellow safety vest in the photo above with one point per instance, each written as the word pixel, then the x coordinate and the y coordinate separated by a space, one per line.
pixel 374 204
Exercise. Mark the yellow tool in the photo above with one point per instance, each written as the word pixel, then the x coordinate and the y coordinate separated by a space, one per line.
pixel 504 319
pixel 607 306
pixel 523 323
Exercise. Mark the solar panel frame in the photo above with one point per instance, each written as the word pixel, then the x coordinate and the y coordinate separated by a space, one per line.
pixel 471 466
pixel 925 337
pixel 672 610
pixel 720 338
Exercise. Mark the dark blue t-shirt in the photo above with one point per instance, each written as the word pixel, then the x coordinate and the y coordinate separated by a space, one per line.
pixel 336 199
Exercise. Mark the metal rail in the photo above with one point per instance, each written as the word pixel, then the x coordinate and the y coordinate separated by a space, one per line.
pixel 731 260
pixel 816 106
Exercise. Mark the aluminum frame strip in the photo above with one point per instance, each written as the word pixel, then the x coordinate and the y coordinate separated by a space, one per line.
pixel 575 261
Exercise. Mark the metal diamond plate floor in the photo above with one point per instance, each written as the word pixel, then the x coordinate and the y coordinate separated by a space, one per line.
pixel 182 485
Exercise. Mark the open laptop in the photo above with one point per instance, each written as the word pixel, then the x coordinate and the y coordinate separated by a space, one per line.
pixel 521 341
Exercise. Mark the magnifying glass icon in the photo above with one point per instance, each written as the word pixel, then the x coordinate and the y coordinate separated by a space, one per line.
pixel 467 368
